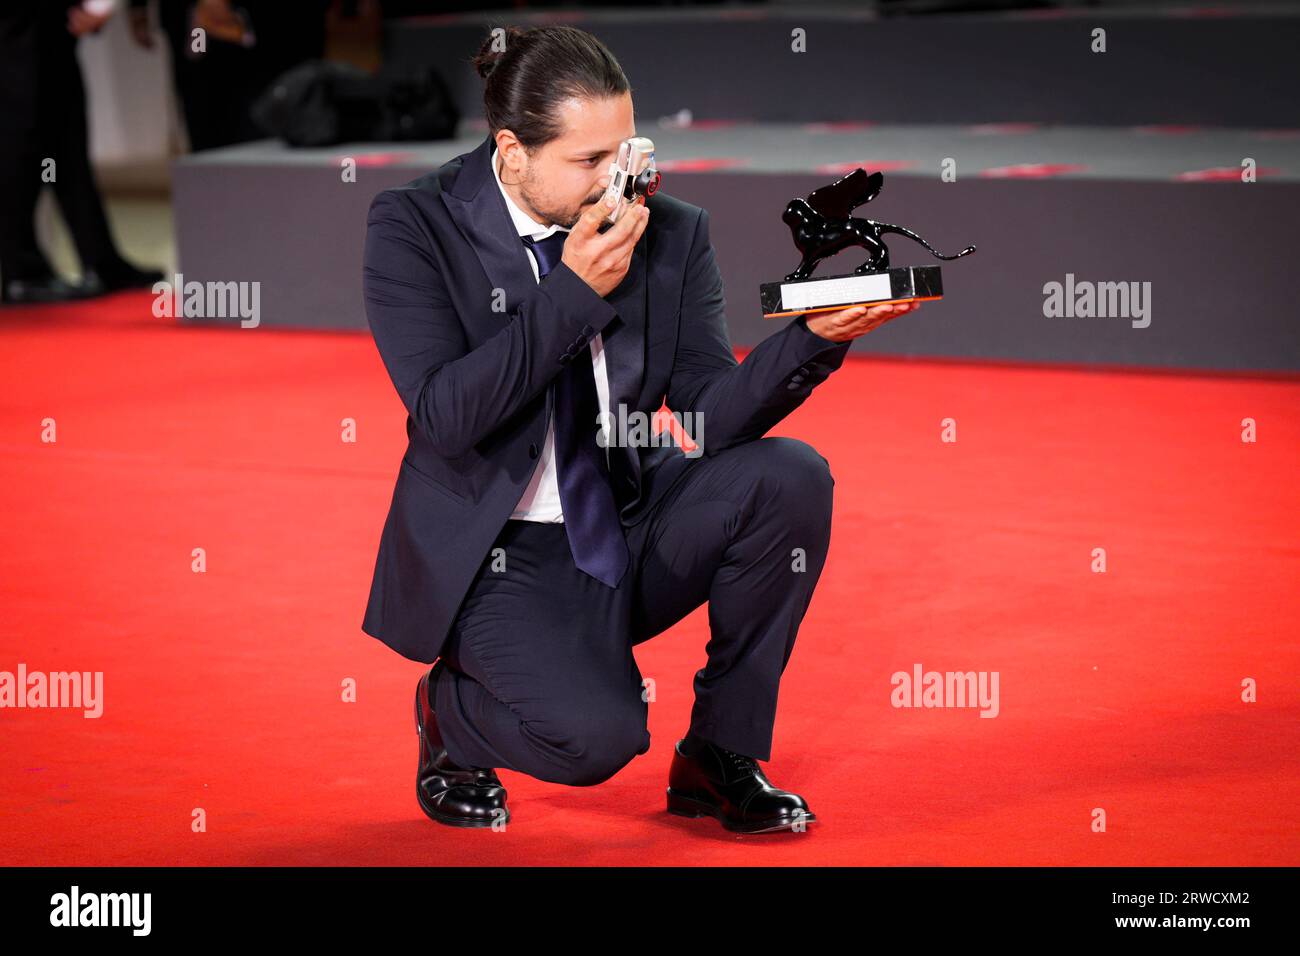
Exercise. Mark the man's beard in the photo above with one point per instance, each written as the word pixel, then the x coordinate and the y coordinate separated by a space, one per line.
pixel 566 220
pixel 550 216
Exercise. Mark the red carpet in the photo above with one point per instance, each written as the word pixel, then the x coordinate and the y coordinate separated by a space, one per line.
pixel 1120 691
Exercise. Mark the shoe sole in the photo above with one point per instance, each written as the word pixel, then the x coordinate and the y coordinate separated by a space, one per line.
pixel 431 812
pixel 684 806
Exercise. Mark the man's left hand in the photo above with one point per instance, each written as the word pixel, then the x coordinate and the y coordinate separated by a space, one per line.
pixel 81 21
pixel 845 324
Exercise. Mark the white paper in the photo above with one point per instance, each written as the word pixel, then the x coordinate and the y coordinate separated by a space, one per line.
pixel 810 295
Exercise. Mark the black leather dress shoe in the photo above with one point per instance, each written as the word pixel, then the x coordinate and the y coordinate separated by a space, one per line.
pixel 451 794
pixel 731 787
pixel 103 281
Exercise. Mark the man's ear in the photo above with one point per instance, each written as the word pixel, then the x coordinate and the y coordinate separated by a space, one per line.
pixel 511 150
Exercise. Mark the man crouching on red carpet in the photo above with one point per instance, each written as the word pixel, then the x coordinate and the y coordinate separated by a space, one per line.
pixel 525 553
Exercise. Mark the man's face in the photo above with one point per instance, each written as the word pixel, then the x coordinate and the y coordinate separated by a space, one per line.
pixel 561 180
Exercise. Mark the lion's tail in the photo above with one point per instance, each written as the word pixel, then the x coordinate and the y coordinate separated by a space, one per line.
pixel 902 231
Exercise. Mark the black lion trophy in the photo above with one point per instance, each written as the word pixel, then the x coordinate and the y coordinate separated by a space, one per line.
pixel 821 226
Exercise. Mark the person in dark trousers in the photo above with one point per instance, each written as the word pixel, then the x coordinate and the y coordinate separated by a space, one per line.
pixel 532 541
pixel 248 44
pixel 43 129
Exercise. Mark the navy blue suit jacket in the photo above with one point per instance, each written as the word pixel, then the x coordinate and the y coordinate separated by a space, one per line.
pixel 471 340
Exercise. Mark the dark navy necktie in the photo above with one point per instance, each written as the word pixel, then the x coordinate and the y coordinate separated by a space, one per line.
pixel 586 496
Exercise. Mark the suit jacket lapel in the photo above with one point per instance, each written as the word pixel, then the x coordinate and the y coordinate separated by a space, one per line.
pixel 623 341
pixel 484 221
pixel 624 338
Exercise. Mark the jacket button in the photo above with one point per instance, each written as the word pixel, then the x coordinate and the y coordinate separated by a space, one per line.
pixel 532 450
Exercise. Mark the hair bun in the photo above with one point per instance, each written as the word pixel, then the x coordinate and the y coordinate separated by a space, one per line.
pixel 487 57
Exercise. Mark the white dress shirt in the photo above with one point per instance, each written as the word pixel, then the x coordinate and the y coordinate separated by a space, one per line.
pixel 541 499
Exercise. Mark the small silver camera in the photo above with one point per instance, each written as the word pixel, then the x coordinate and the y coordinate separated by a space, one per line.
pixel 633 175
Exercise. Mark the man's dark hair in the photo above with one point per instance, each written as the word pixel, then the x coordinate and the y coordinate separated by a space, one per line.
pixel 540 68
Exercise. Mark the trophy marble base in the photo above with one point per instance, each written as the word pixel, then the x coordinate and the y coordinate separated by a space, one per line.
pixel 827 293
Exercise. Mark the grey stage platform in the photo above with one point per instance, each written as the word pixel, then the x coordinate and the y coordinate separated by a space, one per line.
pixel 1040 202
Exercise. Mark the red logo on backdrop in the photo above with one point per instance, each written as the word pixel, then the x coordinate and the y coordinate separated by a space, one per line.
pixel 1032 170
pixel 703 165
pixel 380 159
pixel 1221 174
pixel 839 169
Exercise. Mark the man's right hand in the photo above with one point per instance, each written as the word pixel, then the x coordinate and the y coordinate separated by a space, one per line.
pixel 602 259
